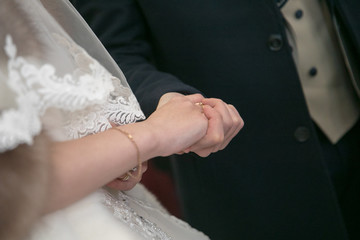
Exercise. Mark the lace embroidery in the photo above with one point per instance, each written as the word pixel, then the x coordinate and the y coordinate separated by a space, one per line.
pixel 122 210
pixel 120 108
pixel 89 97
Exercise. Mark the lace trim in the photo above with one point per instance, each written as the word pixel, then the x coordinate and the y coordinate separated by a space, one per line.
pixel 120 107
pixel 90 97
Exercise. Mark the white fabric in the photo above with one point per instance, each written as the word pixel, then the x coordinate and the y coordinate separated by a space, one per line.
pixel 48 82
pixel 115 215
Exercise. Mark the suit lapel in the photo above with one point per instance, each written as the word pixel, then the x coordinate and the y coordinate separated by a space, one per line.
pixel 346 19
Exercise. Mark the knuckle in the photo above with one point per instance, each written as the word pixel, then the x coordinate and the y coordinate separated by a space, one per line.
pixel 198 95
pixel 204 154
pixel 229 124
pixel 239 122
pixel 217 139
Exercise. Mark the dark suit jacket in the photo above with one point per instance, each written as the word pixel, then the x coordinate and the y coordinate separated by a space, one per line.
pixel 270 182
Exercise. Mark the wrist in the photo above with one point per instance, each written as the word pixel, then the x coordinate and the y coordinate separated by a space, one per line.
pixel 145 139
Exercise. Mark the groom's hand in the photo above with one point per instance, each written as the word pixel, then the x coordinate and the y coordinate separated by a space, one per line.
pixel 224 123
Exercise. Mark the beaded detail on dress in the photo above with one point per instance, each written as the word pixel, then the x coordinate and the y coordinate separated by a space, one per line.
pixel 120 205
pixel 142 213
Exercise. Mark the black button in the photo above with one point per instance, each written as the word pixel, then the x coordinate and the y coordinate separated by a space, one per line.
pixel 302 134
pixel 298 14
pixel 275 42
pixel 313 71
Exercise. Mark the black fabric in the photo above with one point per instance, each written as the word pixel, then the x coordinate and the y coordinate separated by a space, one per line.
pixel 343 163
pixel 347 16
pixel 265 184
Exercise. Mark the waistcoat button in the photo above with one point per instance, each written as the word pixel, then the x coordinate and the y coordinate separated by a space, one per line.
pixel 275 42
pixel 298 14
pixel 302 134
pixel 313 71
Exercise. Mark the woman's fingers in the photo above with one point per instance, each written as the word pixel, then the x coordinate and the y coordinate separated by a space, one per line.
pixel 127 182
pixel 195 98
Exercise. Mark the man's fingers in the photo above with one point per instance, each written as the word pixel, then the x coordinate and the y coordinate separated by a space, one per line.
pixel 214 135
pixel 237 125
pixel 224 111
pixel 225 123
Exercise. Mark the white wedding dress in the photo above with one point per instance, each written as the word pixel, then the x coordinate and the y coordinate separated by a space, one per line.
pixel 56 76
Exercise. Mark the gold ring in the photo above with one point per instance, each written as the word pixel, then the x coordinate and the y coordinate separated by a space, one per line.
pixel 200 104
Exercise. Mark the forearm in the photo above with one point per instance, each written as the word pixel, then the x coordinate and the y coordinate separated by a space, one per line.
pixel 81 166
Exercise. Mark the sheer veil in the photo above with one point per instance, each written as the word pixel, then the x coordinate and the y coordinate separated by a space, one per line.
pixel 54 74
pixel 57 82
pixel 40 50
pixel 76 27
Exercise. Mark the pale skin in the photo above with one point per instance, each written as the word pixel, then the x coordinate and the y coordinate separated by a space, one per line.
pixel 81 166
pixel 179 125
pixel 224 123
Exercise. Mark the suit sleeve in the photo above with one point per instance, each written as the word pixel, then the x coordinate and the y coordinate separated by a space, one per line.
pixel 121 27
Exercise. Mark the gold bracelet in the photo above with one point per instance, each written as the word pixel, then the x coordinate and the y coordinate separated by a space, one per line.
pixel 130 137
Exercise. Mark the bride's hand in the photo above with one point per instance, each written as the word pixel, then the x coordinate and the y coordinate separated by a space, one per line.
pixel 125 182
pixel 177 124
pixel 224 123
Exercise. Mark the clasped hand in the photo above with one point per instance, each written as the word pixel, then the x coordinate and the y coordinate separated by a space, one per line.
pixel 203 128
pixel 224 123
